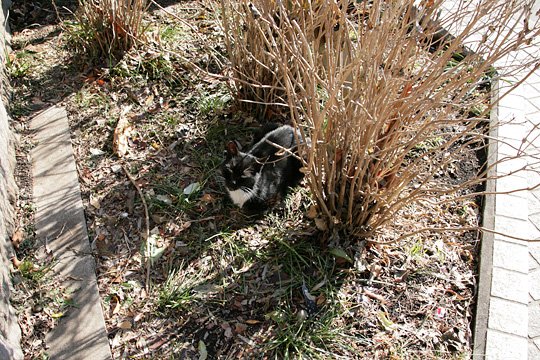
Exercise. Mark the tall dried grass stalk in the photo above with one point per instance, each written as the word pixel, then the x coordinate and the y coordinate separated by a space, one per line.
pixel 106 29
pixel 369 83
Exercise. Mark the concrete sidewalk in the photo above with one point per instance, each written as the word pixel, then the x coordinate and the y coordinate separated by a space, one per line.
pixel 508 314
pixel 532 106
pixel 507 319
pixel 508 310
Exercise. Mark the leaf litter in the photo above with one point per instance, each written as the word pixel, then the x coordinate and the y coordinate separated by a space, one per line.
pixel 223 285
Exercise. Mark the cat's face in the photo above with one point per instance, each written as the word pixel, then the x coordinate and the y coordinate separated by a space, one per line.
pixel 239 169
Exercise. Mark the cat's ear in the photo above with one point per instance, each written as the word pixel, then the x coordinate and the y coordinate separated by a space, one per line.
pixel 232 149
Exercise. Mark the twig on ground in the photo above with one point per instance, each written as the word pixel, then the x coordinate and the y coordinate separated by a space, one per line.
pixel 460 229
pixel 374 296
pixel 147 225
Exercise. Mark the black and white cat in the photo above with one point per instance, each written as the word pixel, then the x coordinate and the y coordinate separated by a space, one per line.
pixel 257 179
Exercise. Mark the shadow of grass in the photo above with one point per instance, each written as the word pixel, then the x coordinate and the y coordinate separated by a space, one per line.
pixel 247 272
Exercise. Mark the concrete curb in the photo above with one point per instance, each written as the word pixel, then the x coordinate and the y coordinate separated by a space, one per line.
pixel 501 320
pixel 61 227
pixel 486 246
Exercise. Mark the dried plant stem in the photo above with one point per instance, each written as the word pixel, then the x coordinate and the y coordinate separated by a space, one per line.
pixel 147 225
pixel 383 93
pixel 105 29
pixel 450 229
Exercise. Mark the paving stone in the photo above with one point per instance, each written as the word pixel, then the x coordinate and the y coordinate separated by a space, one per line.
pixel 509 285
pixel 505 103
pixel 510 255
pixel 535 222
pixel 534 218
pixel 515 113
pixel 513 131
pixel 533 178
pixel 534 250
pixel 533 264
pixel 514 59
pixel 511 104
pixel 511 226
pixel 534 195
pixel 534 352
pixel 534 230
pixel 533 108
pixel 508 316
pixel 531 103
pixel 508 151
pixel 536 192
pixel 503 346
pixel 512 206
pixel 509 164
pixel 532 81
pixel 534 320
pixel 534 284
pixel 512 184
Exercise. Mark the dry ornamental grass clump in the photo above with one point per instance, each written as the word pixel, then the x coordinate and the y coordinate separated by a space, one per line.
pixel 371 82
pixel 104 30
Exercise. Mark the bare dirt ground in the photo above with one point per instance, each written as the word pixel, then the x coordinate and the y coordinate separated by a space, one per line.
pixel 221 285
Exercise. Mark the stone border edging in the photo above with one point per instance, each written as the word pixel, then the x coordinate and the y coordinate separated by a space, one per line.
pixel 61 229
pixel 485 263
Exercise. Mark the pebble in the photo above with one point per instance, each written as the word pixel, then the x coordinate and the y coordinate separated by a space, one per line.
pixel 116 168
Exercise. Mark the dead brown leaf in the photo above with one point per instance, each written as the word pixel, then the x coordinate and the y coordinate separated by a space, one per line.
pixel 17 238
pixel 124 325
pixel 208 198
pixel 16 262
pixel 312 212
pixel 240 328
pixel 321 224
pixel 116 301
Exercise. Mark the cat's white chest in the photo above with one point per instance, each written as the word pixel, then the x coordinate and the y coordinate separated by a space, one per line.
pixel 239 197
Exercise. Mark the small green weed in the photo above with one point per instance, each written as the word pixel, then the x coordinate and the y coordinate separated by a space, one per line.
pixel 170 197
pixel 19 107
pixel 32 271
pixel 429 144
pixel 416 250
pixel 477 110
pixel 172 33
pixel 212 104
pixel 178 291
pixel 298 337
pixel 158 66
pixel 235 253
pixel 92 98
pixel 19 66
